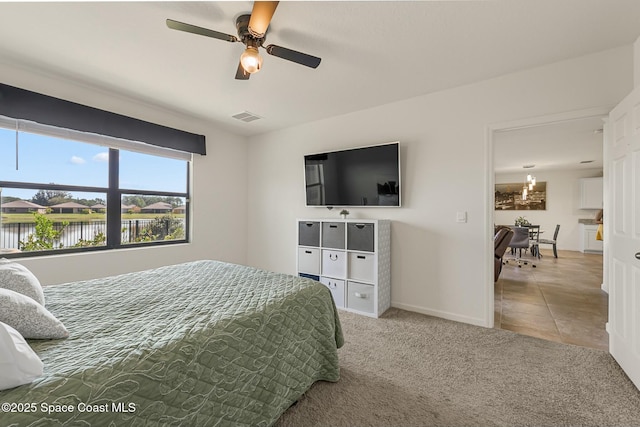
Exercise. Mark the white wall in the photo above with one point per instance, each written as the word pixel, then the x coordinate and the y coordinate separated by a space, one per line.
pixel 563 201
pixel 439 266
pixel 636 63
pixel 219 202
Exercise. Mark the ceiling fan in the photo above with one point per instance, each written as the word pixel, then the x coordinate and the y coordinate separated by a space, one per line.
pixel 252 31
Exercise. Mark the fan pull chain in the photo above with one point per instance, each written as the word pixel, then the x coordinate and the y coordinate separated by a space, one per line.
pixel 17 139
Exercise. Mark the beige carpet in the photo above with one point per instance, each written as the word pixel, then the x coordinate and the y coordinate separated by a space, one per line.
pixel 407 369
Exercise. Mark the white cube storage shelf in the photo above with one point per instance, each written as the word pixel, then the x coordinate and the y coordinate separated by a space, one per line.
pixel 350 257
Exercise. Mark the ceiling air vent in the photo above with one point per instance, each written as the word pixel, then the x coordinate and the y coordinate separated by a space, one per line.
pixel 246 116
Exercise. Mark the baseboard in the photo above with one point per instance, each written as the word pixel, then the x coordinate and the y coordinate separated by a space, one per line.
pixel 442 314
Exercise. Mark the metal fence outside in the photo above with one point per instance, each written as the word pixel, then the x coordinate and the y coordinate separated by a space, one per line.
pixel 12 234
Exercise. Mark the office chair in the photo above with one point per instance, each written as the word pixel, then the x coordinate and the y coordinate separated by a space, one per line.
pixel 551 241
pixel 519 242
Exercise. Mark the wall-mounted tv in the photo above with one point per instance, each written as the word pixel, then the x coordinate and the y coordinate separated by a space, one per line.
pixel 365 176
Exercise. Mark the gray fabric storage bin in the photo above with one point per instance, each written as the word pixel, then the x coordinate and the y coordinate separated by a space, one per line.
pixel 360 236
pixel 333 235
pixel 309 233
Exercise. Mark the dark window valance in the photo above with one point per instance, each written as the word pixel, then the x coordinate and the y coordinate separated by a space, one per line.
pixel 26 105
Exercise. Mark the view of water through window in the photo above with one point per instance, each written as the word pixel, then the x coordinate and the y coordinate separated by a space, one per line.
pixel 44 205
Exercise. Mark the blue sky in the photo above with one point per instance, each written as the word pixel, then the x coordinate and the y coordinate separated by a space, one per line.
pixel 44 159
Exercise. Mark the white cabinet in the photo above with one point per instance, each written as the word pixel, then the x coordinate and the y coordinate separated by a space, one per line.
pixel 350 257
pixel 591 193
pixel 588 242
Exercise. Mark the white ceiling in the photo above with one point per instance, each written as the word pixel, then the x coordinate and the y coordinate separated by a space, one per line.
pixel 372 52
pixel 562 145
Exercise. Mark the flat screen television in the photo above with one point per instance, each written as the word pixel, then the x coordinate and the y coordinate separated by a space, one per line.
pixel 365 176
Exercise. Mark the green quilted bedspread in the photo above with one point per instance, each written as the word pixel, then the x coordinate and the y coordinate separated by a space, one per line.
pixel 204 343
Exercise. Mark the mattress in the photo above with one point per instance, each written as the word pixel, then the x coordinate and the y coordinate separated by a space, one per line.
pixel 204 343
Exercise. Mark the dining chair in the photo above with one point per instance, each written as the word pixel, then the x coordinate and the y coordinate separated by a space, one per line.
pixel 551 241
pixel 534 240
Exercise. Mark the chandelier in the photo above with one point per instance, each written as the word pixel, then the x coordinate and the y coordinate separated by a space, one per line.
pixel 528 184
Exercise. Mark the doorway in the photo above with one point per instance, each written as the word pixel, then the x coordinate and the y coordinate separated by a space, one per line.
pixel 561 298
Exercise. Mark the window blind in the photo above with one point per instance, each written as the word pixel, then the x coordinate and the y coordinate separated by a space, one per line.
pixel 49 114
pixel 91 138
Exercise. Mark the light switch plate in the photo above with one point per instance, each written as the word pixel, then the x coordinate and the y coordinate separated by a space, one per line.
pixel 461 217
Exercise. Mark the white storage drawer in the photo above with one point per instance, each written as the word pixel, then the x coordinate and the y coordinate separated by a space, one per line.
pixel 337 289
pixel 334 263
pixel 360 296
pixel 309 261
pixel 362 267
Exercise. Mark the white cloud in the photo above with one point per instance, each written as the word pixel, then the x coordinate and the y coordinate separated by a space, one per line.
pixel 77 160
pixel 101 157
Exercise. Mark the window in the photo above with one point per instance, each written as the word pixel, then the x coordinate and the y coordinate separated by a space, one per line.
pixel 314 179
pixel 65 191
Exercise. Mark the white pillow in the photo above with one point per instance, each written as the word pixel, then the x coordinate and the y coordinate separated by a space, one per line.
pixel 28 317
pixel 19 364
pixel 17 277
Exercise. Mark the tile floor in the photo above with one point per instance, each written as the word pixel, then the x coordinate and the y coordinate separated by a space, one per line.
pixel 559 300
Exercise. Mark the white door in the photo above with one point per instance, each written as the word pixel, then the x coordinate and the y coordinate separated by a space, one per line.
pixel 622 232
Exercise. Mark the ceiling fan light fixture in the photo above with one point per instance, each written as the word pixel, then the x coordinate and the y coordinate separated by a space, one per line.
pixel 252 31
pixel 251 60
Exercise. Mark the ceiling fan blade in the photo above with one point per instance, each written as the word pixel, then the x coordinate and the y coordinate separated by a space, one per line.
pixel 294 56
pixel 261 17
pixel 241 74
pixel 181 26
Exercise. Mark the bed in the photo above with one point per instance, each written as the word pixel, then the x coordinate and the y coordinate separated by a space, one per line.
pixel 204 343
